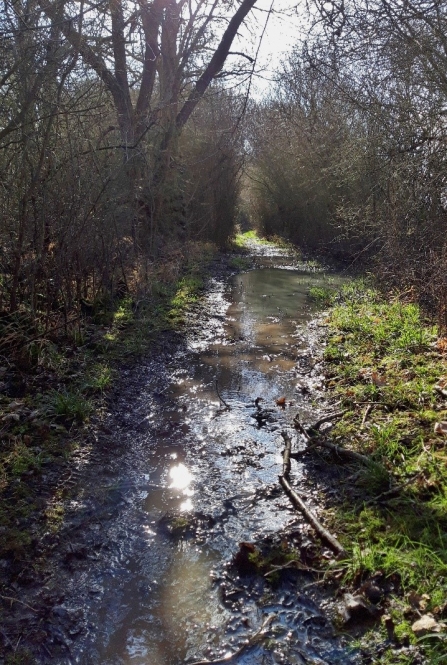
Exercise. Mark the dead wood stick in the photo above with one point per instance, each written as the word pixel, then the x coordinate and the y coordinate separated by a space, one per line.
pixel 16 600
pixel 249 643
pixel 227 406
pixel 338 450
pixel 327 419
pixel 368 410
pixel 286 455
pixel 324 534
pixel 292 564
pixel 344 452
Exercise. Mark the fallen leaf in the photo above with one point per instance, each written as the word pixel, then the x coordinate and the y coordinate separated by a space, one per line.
pixel 378 380
pixel 281 402
pixel 426 624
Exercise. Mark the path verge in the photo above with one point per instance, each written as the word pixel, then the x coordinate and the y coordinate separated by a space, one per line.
pixel 386 367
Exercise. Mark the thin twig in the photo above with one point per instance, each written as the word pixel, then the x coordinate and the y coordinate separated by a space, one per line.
pixel 368 410
pixel 394 490
pixel 338 450
pixel 292 564
pixel 16 600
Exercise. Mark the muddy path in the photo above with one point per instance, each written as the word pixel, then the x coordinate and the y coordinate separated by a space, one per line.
pixel 172 481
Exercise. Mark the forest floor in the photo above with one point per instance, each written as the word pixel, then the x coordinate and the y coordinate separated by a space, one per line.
pixel 386 377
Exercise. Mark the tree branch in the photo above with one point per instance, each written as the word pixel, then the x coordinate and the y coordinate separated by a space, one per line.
pixel 216 63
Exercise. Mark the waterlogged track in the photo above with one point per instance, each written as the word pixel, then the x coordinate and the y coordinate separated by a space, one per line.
pixel 178 481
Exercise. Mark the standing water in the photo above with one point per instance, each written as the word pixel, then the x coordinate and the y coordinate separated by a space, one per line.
pixel 196 480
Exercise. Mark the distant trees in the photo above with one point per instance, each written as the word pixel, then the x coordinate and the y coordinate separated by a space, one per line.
pixel 357 140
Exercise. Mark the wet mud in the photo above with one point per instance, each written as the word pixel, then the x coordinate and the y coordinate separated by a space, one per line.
pixel 181 468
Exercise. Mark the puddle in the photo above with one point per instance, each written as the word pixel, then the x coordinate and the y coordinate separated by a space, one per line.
pixel 196 480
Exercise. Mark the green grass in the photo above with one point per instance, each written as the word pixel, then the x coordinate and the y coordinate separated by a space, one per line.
pixel 382 351
pixel 321 295
pixel 243 240
pixel 67 405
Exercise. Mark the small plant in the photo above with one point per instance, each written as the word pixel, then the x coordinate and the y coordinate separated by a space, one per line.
pixel 321 295
pixel 67 405
pixel 22 459
pixel 98 379
pixel 124 312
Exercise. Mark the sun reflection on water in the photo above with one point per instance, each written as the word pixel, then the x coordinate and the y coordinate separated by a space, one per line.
pixel 180 476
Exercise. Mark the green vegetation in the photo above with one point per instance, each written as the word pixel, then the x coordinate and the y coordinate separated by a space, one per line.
pixel 242 241
pixel 323 296
pixel 387 367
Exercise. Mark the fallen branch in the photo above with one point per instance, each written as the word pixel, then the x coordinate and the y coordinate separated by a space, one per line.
pixel 286 455
pixel 326 419
pixel 324 534
pixel 337 450
pixel 298 502
pixel 227 406
pixel 249 643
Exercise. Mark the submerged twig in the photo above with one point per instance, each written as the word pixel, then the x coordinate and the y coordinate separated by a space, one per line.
pixel 287 453
pixel 16 600
pixel 227 406
pixel 249 643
